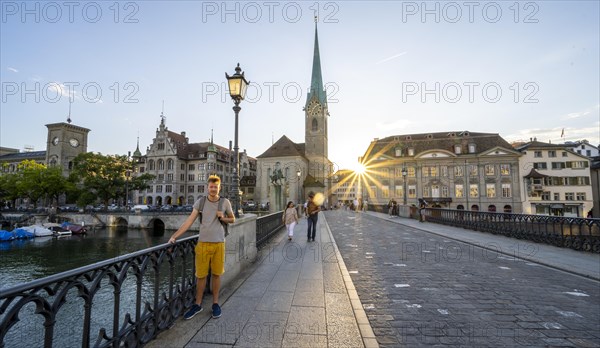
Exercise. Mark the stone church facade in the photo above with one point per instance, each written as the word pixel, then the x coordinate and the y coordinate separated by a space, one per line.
pixel 287 171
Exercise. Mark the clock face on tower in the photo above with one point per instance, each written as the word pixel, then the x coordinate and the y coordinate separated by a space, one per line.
pixel 314 109
pixel 74 142
pixel 55 141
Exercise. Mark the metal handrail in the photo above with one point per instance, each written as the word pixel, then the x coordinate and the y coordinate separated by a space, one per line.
pixel 164 273
pixel 169 296
pixel 569 232
pixel 267 226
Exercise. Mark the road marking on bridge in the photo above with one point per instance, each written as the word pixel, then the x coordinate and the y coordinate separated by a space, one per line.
pixel 402 285
pixel 552 326
pixel 568 314
pixel 576 293
pixel 443 311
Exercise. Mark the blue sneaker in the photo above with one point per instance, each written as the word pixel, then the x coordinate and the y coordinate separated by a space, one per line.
pixel 192 312
pixel 216 310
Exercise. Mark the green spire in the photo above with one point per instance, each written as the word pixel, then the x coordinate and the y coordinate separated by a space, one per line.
pixel 211 146
pixel 316 83
pixel 137 152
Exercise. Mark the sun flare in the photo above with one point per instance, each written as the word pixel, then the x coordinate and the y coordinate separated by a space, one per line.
pixel 359 168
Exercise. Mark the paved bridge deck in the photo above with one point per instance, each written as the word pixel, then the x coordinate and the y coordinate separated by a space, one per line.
pixel 419 284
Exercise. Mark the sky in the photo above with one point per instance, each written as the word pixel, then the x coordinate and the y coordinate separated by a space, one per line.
pixel 520 69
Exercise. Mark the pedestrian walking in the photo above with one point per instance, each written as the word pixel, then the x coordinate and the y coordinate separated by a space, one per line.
pixel 312 215
pixel 214 213
pixel 290 219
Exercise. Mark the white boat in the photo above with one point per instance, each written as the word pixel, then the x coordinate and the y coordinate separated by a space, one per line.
pixel 38 231
pixel 63 233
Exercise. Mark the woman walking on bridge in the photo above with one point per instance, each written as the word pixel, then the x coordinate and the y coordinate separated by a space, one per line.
pixel 290 219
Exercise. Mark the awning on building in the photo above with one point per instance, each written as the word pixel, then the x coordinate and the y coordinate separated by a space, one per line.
pixel 534 174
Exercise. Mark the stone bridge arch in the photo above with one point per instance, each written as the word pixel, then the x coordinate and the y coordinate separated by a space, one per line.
pixel 121 221
pixel 156 224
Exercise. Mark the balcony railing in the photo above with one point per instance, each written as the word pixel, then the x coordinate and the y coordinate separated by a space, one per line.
pixel 575 233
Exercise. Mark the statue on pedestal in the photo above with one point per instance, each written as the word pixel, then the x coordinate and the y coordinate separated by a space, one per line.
pixel 277 180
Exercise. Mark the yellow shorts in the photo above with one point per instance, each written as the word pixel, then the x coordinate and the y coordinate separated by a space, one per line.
pixel 212 254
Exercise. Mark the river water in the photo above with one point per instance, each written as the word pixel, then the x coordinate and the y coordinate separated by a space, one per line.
pixel 26 260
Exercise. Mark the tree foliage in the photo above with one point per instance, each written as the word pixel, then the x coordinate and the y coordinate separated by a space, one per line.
pixel 94 177
pixel 34 181
pixel 105 177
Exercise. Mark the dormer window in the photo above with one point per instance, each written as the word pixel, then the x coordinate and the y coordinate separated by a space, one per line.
pixel 411 151
pixel 429 136
pixel 398 152
pixel 457 149
pixel 408 137
pixel 471 148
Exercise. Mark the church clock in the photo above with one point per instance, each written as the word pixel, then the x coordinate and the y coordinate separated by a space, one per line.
pixel 314 109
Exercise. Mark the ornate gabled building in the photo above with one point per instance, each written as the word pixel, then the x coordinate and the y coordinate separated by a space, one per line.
pixel 457 170
pixel 556 180
pixel 287 171
pixel 181 168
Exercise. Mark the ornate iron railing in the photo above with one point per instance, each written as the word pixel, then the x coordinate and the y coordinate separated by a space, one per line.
pixel 568 232
pixel 125 301
pixel 267 226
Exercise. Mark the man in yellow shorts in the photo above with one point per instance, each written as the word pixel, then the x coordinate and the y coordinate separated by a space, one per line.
pixel 210 250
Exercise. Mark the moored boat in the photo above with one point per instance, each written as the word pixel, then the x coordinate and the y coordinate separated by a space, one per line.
pixel 6 236
pixel 38 231
pixel 76 229
pixel 59 233
pixel 21 233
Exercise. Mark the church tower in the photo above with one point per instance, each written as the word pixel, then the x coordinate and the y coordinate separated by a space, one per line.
pixel 316 115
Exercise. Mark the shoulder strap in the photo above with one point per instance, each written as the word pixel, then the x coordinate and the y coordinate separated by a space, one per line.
pixel 201 203
pixel 220 206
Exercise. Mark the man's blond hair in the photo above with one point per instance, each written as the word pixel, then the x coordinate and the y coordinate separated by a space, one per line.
pixel 214 179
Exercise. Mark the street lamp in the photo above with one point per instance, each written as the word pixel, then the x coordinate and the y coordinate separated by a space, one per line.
pixel 298 174
pixel 237 90
pixel 127 175
pixel 404 174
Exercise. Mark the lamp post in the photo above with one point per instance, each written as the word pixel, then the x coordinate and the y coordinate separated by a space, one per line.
pixel 237 90
pixel 298 174
pixel 404 174
pixel 127 175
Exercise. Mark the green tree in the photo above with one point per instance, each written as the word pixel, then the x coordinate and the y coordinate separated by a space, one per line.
pixel 9 191
pixel 30 183
pixel 105 177
pixel 54 184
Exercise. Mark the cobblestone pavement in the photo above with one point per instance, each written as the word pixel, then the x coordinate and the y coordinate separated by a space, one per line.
pixel 420 289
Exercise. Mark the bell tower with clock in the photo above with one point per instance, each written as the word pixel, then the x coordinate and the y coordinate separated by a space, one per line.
pixel 316 115
pixel 65 142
